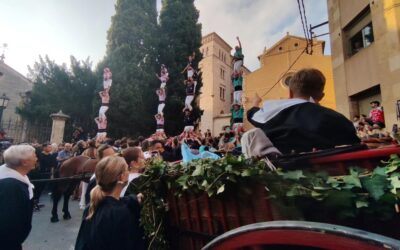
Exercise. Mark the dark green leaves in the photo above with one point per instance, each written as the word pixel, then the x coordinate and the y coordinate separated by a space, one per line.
pixel 180 36
pixel 56 87
pixel 132 54
pixel 376 185
pixel 293 175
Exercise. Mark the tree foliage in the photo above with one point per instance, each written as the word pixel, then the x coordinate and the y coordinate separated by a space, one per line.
pixel 181 36
pixel 57 87
pixel 131 56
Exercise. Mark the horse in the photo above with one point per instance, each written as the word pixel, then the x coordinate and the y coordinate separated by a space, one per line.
pixel 73 167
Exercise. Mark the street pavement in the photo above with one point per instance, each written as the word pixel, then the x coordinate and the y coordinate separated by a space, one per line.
pixel 53 236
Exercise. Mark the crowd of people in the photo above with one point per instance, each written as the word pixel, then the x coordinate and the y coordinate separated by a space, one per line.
pixel 111 212
pixel 372 130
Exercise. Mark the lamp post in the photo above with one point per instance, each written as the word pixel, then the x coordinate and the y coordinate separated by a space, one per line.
pixel 3 105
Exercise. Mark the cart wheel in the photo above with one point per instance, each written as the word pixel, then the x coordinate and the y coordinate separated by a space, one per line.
pixel 300 235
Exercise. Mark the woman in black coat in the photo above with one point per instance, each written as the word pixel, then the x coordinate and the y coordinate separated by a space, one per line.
pixel 110 222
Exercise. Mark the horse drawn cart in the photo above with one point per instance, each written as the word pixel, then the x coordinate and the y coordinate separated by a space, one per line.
pixel 227 218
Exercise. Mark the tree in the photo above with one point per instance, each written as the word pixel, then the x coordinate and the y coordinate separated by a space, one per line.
pixel 181 36
pixel 131 56
pixel 56 87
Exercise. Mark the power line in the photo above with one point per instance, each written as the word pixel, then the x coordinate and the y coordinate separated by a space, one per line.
pixel 305 19
pixel 324 34
pixel 290 67
pixel 302 21
pixel 315 36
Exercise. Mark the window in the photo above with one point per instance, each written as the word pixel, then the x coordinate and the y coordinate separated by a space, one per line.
pixel 296 45
pixel 207 51
pixel 222 93
pixel 221 56
pixel 360 102
pixel 286 79
pixel 359 33
pixel 362 39
pixel 222 73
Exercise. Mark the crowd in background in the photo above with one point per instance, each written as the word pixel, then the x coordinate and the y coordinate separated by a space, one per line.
pixel 372 128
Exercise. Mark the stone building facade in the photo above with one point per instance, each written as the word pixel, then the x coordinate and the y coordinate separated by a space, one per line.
pixel 365 41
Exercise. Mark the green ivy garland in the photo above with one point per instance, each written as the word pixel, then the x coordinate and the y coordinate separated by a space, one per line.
pixel 360 192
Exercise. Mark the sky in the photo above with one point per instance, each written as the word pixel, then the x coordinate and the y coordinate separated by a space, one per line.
pixel 61 28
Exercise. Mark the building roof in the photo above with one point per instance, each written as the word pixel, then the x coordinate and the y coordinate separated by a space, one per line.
pixel 14 72
pixel 287 37
pixel 215 36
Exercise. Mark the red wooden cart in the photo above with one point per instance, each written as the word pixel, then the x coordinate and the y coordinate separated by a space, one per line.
pixel 196 219
pixel 300 235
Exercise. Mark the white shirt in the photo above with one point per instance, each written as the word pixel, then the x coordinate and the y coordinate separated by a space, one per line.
pixel 273 107
pixel 131 177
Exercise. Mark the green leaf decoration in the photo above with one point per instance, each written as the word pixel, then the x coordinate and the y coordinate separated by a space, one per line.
pixel 293 175
pixel 355 171
pixel 332 180
pixel 298 190
pixel 246 172
pixel 198 171
pixel 182 180
pixel 352 180
pixel 391 168
pixel 360 204
pixel 221 189
pixel 380 171
pixel 228 168
pixel 316 194
pixel 376 185
pixel 395 174
pixel 322 188
pixel 395 182
pixel 342 198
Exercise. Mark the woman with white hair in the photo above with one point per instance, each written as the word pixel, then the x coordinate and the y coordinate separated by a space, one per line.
pixel 16 196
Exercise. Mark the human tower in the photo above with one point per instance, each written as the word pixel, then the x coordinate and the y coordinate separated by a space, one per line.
pixel 162 95
pixel 237 110
pixel 190 82
pixel 101 120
